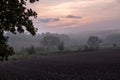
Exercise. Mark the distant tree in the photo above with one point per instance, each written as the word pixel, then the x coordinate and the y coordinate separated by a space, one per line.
pixel 61 46
pixel 86 47
pixel 63 37
pixel 15 17
pixel 114 45
pixel 93 42
pixel 50 42
pixel 31 50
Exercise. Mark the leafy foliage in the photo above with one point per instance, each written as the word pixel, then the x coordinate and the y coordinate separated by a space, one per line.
pixel 5 50
pixel 15 17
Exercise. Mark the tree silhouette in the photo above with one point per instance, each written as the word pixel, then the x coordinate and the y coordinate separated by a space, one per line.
pixel 61 46
pixel 15 17
pixel 93 42
pixel 50 42
pixel 31 50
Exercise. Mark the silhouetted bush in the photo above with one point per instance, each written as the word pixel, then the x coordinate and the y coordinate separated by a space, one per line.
pixel 61 46
pixel 31 50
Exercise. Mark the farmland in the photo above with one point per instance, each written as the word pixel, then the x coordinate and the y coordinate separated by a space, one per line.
pixel 94 65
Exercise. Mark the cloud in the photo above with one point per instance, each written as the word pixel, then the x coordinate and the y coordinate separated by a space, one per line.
pixel 77 13
pixel 118 1
pixel 72 16
pixel 47 20
pixel 56 2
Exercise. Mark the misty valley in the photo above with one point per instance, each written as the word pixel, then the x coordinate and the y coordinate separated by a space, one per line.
pixel 59 39
pixel 50 42
pixel 53 56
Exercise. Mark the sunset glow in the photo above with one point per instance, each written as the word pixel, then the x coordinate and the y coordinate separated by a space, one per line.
pixel 70 14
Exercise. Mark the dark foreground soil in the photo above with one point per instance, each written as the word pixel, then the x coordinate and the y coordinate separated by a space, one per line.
pixel 96 65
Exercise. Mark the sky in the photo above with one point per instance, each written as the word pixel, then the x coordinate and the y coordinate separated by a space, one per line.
pixel 74 16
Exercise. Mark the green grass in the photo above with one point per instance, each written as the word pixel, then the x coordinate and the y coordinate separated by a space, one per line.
pixel 24 56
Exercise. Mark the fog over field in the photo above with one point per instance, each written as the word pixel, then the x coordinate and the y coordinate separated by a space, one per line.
pixel 20 41
pixel 59 39
pixel 77 19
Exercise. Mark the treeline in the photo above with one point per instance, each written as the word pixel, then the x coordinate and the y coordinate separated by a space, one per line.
pixel 20 41
pixel 58 42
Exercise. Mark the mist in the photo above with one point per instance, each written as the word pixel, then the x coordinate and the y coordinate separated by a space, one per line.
pixel 20 41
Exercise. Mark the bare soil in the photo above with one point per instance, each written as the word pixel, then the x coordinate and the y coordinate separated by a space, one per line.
pixel 95 65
